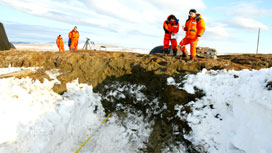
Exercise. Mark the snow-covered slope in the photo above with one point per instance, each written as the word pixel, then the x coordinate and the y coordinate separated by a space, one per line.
pixel 34 119
pixel 235 116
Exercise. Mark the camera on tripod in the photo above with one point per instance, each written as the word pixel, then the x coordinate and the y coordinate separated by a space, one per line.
pixel 88 44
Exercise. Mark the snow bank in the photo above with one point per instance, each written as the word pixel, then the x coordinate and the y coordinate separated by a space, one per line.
pixel 236 113
pixel 34 119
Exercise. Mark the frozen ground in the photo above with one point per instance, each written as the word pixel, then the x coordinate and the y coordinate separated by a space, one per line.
pixel 235 116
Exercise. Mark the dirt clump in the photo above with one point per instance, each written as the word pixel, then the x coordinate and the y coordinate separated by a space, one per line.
pixel 269 85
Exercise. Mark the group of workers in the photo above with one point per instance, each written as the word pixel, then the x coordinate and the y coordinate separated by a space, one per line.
pixel 194 27
pixel 73 40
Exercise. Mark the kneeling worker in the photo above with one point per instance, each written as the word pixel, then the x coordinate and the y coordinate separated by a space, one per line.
pixel 194 27
pixel 60 44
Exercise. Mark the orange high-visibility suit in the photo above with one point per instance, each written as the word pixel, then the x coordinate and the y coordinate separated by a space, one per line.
pixel 74 36
pixel 60 44
pixel 194 27
pixel 170 28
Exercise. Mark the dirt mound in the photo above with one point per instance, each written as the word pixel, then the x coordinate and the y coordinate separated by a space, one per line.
pixel 107 71
pixel 94 67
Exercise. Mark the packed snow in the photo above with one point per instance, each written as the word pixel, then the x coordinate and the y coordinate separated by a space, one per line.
pixel 34 119
pixel 235 115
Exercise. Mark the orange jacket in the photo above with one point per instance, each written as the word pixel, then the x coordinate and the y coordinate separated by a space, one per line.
pixel 194 27
pixel 59 41
pixel 74 35
pixel 170 28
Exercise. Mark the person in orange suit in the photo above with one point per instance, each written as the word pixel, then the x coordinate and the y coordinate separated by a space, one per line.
pixel 74 36
pixel 171 28
pixel 60 44
pixel 194 27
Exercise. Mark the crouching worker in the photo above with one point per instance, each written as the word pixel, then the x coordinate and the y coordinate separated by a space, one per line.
pixel 60 44
pixel 171 28
pixel 194 27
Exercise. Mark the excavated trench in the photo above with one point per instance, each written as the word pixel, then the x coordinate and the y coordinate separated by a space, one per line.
pixel 109 71
pixel 157 107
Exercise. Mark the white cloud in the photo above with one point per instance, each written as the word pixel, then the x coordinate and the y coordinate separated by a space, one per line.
pixel 246 15
pixel 61 11
pixel 179 4
pixel 114 8
pixel 216 32
pixel 247 10
pixel 248 23
pixel 35 7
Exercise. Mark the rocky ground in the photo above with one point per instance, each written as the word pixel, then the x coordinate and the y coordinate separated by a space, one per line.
pixel 103 69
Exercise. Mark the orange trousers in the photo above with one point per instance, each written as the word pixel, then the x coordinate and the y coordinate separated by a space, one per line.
pixel 193 44
pixel 74 44
pixel 61 48
pixel 173 42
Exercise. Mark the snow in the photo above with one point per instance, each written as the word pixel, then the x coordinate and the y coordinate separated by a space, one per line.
pixel 13 69
pixel 8 70
pixel 53 47
pixel 34 119
pixel 236 113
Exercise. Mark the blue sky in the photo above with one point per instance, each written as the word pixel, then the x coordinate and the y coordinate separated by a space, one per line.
pixel 231 25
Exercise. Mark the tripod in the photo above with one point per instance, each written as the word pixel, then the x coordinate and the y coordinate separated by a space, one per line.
pixel 87 44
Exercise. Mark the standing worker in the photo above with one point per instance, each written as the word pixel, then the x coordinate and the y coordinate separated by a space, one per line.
pixel 171 28
pixel 60 44
pixel 73 37
pixel 194 27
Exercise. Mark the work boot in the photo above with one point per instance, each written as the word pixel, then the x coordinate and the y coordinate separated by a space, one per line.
pixel 185 54
pixel 165 51
pixel 193 58
pixel 175 52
